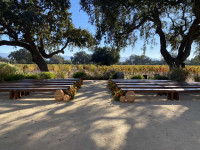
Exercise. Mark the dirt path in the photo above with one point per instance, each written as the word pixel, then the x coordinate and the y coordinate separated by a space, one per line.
pixel 94 121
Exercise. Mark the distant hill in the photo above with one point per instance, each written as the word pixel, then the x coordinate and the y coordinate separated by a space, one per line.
pixel 122 59
pixel 67 57
pixel 5 55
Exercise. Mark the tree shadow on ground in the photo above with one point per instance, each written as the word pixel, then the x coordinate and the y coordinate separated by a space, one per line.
pixel 94 121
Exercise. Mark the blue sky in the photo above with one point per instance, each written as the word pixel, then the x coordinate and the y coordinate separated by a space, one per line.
pixel 81 19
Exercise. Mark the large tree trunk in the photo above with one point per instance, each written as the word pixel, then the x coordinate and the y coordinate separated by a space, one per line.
pixel 36 55
pixel 185 46
pixel 174 62
pixel 39 60
pixel 183 52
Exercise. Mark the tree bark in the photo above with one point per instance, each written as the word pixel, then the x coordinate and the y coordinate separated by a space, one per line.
pixel 184 49
pixel 36 55
pixel 39 60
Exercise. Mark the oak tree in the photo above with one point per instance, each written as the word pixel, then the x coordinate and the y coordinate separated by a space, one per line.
pixel 21 56
pixel 105 56
pixel 43 27
pixel 176 22
pixel 81 58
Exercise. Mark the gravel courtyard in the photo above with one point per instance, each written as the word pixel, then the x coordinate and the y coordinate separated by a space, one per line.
pixel 93 121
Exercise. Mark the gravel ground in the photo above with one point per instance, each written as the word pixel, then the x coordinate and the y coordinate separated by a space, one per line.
pixel 93 121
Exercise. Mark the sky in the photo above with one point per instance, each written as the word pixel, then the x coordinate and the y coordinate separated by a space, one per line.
pixel 81 19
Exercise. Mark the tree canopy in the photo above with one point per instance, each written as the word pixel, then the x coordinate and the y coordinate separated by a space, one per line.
pixel 2 59
pixel 176 22
pixel 105 56
pixel 21 56
pixel 56 59
pixel 81 58
pixel 42 27
pixel 142 60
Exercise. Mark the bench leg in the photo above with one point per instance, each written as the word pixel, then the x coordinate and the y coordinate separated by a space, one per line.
pixel 15 95
pixel 26 93
pixel 22 93
pixel 11 94
pixel 160 94
pixel 176 96
pixel 170 96
pixel 19 94
pixel 165 94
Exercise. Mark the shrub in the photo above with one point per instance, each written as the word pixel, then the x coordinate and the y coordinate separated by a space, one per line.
pixel 137 76
pixel 178 74
pixel 8 69
pixel 160 77
pixel 46 75
pixel 31 76
pixel 13 77
pixel 60 74
pixel 18 76
pixel 79 74
pixel 112 74
pixel 197 78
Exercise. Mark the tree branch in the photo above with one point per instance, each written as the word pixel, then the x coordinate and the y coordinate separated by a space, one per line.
pixel 163 44
pixel 44 54
pixel 15 43
pixel 3 33
pixel 11 32
pixel 186 43
pixel 2 29
pixel 66 44
pixel 129 30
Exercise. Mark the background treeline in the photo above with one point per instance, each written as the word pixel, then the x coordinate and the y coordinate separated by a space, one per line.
pixel 100 56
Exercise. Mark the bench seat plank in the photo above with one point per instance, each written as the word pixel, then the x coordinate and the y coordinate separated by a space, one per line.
pixel 162 89
pixel 158 86
pixel 138 80
pixel 35 82
pixel 166 83
pixel 33 89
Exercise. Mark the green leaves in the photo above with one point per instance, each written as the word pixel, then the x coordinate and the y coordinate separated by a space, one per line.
pixel 117 20
pixel 44 25
pixel 105 56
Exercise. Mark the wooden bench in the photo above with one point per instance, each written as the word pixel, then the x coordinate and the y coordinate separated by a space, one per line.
pixel 158 86
pixel 173 94
pixel 24 87
pixel 138 81
pixel 157 83
pixel 170 88
pixel 18 91
pixel 39 81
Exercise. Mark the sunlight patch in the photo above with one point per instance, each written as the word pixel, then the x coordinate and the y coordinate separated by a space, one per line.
pixel 110 134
